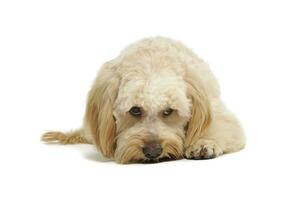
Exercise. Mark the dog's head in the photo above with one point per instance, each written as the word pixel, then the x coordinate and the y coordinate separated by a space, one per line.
pixel 146 118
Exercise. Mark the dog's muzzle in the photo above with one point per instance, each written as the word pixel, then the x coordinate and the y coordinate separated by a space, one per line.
pixel 152 151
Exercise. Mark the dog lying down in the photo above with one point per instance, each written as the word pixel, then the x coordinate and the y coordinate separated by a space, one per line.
pixel 156 101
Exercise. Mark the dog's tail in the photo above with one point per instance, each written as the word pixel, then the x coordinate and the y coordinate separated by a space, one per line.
pixel 72 137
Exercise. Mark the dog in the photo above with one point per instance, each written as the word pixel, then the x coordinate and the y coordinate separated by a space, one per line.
pixel 156 101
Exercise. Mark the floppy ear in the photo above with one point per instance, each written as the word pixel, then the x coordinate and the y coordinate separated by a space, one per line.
pixel 200 112
pixel 99 111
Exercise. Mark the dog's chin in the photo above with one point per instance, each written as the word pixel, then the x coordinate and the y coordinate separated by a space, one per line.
pixel 157 160
pixel 135 155
pixel 131 151
pixel 138 158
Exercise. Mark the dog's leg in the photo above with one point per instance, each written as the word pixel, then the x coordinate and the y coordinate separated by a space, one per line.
pixel 224 135
pixel 74 137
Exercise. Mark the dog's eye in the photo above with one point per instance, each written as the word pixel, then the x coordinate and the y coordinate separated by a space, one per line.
pixel 167 112
pixel 135 111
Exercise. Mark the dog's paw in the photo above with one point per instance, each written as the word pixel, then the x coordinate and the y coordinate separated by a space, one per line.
pixel 203 149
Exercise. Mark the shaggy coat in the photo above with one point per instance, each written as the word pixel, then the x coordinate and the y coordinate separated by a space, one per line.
pixel 156 94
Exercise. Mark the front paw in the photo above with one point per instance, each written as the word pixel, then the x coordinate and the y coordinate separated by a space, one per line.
pixel 203 149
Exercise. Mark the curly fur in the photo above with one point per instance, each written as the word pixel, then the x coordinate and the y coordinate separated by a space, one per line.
pixel 156 74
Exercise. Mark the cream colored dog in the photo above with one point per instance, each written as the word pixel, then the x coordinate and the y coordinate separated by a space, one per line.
pixel 156 101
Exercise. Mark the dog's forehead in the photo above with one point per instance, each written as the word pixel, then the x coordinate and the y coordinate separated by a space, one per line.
pixel 154 93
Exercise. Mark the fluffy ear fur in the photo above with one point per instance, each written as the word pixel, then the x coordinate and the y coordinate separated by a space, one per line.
pixel 99 111
pixel 200 112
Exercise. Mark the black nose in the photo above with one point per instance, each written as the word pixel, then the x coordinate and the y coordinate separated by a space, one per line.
pixel 152 151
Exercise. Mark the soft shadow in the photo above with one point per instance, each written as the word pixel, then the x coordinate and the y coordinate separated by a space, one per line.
pixel 94 156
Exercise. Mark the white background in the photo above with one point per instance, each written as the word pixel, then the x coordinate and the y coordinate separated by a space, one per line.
pixel 50 52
